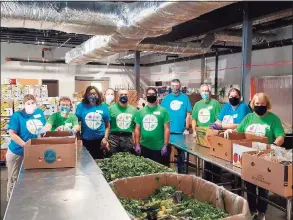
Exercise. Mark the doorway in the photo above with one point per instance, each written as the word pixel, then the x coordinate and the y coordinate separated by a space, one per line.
pixel 53 87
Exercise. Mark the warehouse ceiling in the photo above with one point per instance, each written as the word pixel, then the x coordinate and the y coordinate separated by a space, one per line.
pixel 211 26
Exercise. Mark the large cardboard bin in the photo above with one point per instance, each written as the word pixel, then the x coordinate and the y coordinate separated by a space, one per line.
pixel 223 148
pixel 202 190
pixel 269 175
pixel 51 152
pixel 203 135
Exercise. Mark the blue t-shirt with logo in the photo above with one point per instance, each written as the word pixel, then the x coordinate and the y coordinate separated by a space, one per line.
pixel 228 115
pixel 93 119
pixel 26 127
pixel 177 107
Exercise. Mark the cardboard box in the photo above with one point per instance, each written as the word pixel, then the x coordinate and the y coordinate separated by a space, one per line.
pixel 4 141
pixel 144 186
pixel 238 150
pixel 223 148
pixel 6 107
pixel 50 152
pixel 203 135
pixel 4 123
pixel 3 154
pixel 269 175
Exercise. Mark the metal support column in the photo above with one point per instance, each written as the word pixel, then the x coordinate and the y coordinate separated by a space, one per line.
pixel 203 70
pixel 246 53
pixel 137 73
pixel 216 73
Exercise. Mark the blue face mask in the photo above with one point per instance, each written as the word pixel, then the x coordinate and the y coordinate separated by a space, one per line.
pixel 205 95
pixel 64 109
pixel 123 99
pixel 92 98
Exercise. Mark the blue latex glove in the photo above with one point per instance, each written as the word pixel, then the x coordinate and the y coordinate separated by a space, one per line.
pixel 215 127
pixel 164 150
pixel 137 149
pixel 73 131
pixel 41 131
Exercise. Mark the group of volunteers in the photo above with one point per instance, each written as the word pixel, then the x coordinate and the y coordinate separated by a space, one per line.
pixel 108 127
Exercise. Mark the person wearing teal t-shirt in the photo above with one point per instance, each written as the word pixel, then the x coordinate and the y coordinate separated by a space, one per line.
pixel 122 124
pixel 23 125
pixel 262 122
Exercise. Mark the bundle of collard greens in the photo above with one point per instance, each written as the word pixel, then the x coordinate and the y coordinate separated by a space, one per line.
pixel 167 203
pixel 122 165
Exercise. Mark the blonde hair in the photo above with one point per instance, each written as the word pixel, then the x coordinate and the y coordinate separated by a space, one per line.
pixel 28 97
pixel 64 99
pixel 263 96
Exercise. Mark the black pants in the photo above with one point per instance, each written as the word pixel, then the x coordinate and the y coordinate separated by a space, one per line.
pixel 156 155
pixel 254 203
pixel 94 148
pixel 213 168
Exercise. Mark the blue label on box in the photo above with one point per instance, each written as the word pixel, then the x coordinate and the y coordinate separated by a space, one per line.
pixel 50 156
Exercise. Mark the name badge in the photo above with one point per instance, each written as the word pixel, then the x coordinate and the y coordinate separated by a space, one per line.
pixel 99 111
pixel 157 113
pixel 37 116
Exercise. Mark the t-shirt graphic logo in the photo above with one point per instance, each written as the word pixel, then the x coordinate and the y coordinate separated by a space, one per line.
pixel 258 129
pixel 228 119
pixel 65 127
pixel 150 122
pixel 93 120
pixel 175 105
pixel 204 115
pixel 123 120
pixel 33 125
pixel 50 156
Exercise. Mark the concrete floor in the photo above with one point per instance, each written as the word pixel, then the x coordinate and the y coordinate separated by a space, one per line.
pixel 272 213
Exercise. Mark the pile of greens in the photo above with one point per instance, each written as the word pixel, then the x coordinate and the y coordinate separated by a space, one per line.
pixel 123 165
pixel 167 203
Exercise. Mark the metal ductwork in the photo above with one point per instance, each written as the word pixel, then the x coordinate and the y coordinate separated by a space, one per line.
pixel 157 19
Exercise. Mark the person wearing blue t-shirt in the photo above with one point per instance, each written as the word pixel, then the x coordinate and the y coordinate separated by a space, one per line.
pixel 95 122
pixel 232 113
pixel 179 107
pixel 230 117
pixel 23 126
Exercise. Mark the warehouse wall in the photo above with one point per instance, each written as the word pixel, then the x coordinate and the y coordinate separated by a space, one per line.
pixel 119 76
pixel 229 67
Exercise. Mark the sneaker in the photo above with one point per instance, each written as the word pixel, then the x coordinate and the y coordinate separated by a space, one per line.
pixel 261 216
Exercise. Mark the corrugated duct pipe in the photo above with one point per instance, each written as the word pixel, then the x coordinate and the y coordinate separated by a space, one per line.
pixel 144 23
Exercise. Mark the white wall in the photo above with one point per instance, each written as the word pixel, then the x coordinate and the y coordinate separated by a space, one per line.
pixel 229 67
pixel 118 76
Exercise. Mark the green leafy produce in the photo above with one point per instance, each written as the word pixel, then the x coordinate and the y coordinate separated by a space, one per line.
pixel 163 205
pixel 123 165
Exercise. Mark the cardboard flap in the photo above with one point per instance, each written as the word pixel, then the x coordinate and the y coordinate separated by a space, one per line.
pixel 45 141
pixel 58 134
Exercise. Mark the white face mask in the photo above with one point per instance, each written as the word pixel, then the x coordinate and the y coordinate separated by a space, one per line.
pixel 30 109
pixel 109 98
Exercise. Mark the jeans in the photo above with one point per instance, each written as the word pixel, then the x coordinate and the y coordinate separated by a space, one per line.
pixel 180 161
pixel 254 203
pixel 213 168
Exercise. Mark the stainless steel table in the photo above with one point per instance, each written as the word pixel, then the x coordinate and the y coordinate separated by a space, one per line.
pixel 71 194
pixel 189 145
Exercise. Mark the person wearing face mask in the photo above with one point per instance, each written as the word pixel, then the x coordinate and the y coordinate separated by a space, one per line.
pixel 205 112
pixel 232 113
pixel 95 123
pixel 23 126
pixel 262 122
pixel 152 130
pixel 179 107
pixel 109 97
pixel 63 120
pixel 122 124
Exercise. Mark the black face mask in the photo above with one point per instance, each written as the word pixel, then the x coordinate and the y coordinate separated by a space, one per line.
pixel 260 110
pixel 234 101
pixel 152 98
pixel 123 99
